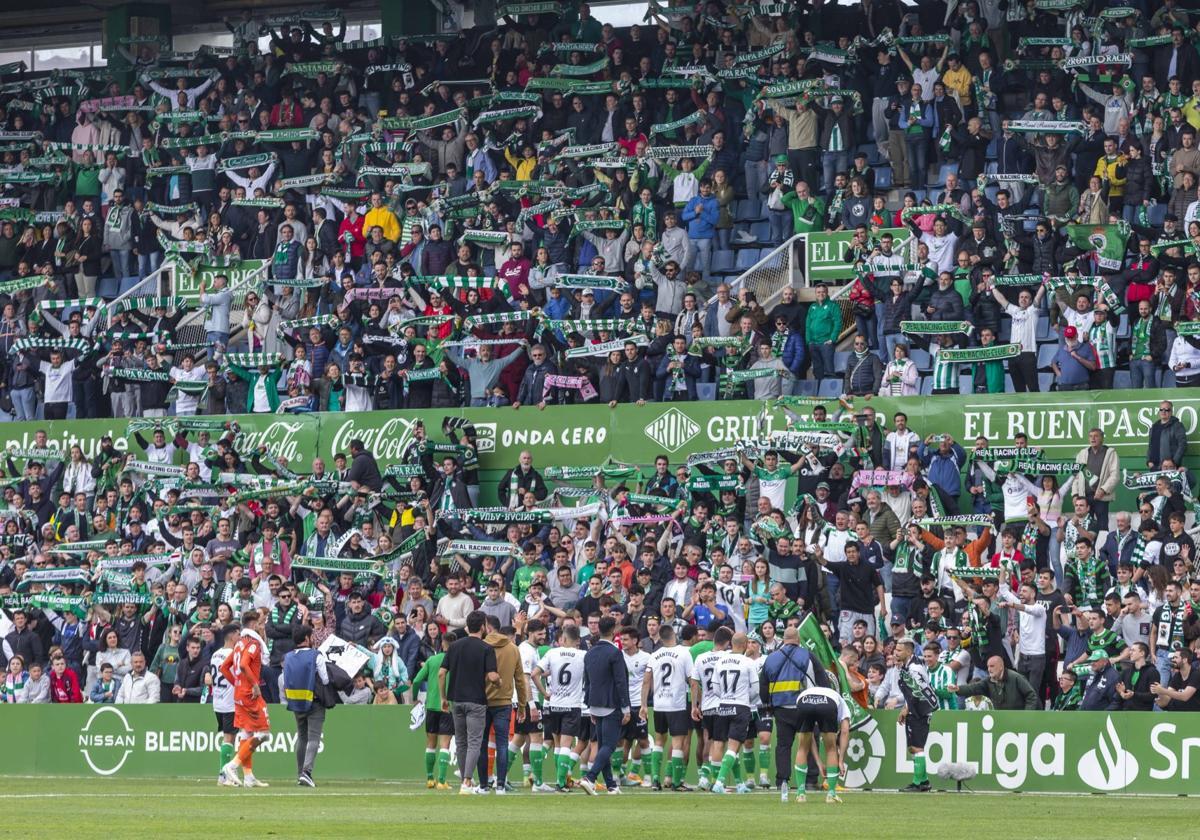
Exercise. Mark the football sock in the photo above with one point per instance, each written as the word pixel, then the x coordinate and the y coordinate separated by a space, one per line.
pixel 430 763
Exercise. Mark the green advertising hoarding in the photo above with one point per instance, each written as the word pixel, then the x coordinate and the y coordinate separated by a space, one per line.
pixel 1074 752
pixel 825 253
pixel 587 435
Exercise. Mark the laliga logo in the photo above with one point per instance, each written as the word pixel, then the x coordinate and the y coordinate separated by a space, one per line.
pixel 864 755
pixel 1110 766
pixel 106 742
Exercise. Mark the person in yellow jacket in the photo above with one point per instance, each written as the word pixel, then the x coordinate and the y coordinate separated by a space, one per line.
pixel 382 216
pixel 958 79
pixel 523 165
pixel 1110 169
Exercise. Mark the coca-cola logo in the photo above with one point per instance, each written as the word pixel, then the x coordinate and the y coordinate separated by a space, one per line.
pixel 386 442
pixel 281 437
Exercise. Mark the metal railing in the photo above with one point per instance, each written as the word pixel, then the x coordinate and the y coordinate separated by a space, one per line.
pixel 767 278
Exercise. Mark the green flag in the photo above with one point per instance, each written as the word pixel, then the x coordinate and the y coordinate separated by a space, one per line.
pixel 814 640
pixel 1108 241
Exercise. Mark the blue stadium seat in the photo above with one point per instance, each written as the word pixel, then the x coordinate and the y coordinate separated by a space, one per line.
pixel 1122 380
pixel 761 231
pixel 966 382
pixel 1043 327
pixel 921 359
pixel 746 258
pixel 722 262
pixel 926 385
pixel 944 170
pixel 706 391
pixel 108 287
pixel 1045 380
pixel 841 358
pixel 749 210
pixel 1045 356
pixel 1008 386
pixel 1123 326
pixel 808 387
pixel 883 178
pixel 1157 214
pixel 1005 331
pixel 830 388
pixel 128 283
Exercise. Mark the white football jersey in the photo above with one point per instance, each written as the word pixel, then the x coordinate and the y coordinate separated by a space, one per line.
pixel 222 689
pixel 734 679
pixel 563 668
pixel 636 666
pixel 671 669
pixel 529 661
pixel 756 665
pixel 710 693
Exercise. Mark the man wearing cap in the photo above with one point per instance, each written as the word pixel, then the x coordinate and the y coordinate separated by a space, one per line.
pixel 1100 695
pixel 1074 362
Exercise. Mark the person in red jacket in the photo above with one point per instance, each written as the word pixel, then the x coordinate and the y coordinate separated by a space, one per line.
pixel 350 233
pixel 287 114
pixel 64 683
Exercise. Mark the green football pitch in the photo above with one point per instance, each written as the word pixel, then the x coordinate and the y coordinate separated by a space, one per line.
pixel 85 808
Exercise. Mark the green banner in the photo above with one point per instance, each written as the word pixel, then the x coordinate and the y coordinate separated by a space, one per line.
pixel 824 253
pixel 1057 423
pixel 1033 752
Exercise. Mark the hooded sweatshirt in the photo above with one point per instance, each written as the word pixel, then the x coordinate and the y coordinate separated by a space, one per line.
pixel 508 665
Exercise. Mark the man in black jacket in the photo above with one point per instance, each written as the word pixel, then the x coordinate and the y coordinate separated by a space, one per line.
pixel 359 625
pixel 189 674
pixel 281 622
pixel 364 471
pixel 23 641
pixel 606 694
pixel 636 375
pixel 519 480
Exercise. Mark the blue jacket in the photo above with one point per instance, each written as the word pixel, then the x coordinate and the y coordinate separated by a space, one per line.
pixel 410 646
pixel 944 470
pixel 701 214
pixel 1101 692
pixel 605 678
pixel 794 353
pixel 786 673
pixel 691 373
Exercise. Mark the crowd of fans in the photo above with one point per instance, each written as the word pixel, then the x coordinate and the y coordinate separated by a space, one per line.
pixel 543 211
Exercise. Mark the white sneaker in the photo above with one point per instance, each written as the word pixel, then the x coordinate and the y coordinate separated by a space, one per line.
pixel 251 782
pixel 718 787
pixel 588 786
pixel 646 783
pixel 229 771
pixel 614 791
pixel 763 781
pixel 704 784
pixel 783 792
pixel 743 788
pixel 500 791
pixel 543 788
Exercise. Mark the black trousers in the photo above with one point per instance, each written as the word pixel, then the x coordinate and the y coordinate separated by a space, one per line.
pixel 1024 373
pixel 56 411
pixel 786 727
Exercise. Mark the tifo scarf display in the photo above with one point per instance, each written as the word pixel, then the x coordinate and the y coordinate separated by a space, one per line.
pixel 668 127
pixel 11 287
pixel 81 345
pixel 1040 467
pixel 675 152
pixel 575 383
pixel 1147 480
pixel 337 564
pixel 479 548
pixel 504 515
pixel 528 112
pixel 1002 453
pixel 141 374
pixel 952 210
pixel 1046 127
pixel 253 360
pixel 969 355
pixel 597 66
pixel 882 478
pixel 422 123
pixel 935 327
pixel 74 303
pixel 147 302
pixel 966 521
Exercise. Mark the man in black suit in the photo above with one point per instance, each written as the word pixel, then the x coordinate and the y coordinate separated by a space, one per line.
pixel 606 692
pixel 1178 58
